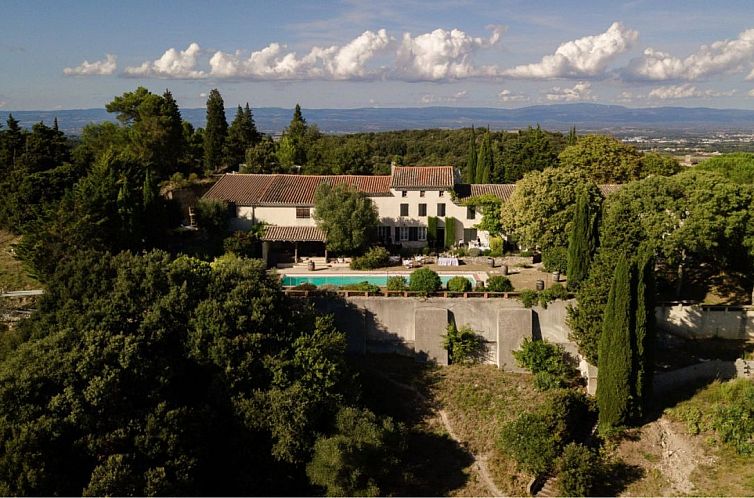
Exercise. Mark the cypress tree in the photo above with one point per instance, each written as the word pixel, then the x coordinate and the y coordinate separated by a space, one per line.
pixel 175 143
pixel 645 331
pixel 615 364
pixel 484 160
pixel 572 138
pixel 471 159
pixel 580 244
pixel 215 132
pixel 242 134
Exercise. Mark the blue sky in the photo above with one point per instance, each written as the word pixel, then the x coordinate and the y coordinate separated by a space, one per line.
pixel 362 53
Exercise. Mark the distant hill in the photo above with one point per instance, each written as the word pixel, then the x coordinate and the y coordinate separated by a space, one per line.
pixel 555 117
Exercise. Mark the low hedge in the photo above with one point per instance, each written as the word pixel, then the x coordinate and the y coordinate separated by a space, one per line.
pixel 459 284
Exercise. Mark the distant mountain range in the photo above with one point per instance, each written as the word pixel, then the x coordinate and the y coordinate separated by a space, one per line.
pixel 553 117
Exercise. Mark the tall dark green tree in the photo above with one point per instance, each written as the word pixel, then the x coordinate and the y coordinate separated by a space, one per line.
pixel 484 160
pixel 616 358
pixel 242 135
pixel 582 241
pixel 292 149
pixel 471 159
pixel 645 335
pixel 215 133
pixel 572 137
pixel 175 143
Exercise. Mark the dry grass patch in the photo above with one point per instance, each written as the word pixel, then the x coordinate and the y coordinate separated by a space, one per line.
pixel 12 275
pixel 479 400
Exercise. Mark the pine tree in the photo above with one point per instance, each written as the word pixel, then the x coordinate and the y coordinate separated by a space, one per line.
pixel 572 138
pixel 292 149
pixel 645 331
pixel 216 131
pixel 242 134
pixel 484 160
pixel 471 159
pixel 175 143
pixel 614 387
pixel 580 243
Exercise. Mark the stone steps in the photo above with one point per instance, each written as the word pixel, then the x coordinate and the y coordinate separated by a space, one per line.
pixel 550 488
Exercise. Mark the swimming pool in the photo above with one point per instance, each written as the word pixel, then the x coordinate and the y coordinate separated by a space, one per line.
pixel 340 280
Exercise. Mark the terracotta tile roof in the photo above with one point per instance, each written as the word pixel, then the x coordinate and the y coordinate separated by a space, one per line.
pixel 502 191
pixel 244 190
pixel 298 190
pixel 609 189
pixel 416 177
pixel 274 233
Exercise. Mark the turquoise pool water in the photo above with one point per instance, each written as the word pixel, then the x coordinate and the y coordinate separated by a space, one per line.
pixel 338 280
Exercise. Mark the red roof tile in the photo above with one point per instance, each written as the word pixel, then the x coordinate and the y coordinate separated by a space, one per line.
pixel 298 190
pixel 274 233
pixel 502 191
pixel 417 177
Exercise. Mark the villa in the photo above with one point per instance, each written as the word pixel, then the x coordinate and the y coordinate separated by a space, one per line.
pixel 406 199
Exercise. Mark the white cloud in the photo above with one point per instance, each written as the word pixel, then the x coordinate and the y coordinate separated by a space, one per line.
pixel 719 57
pixel 508 96
pixel 275 63
pixel 429 98
pixel 751 93
pixel 580 91
pixel 103 67
pixel 3 103
pixel 686 90
pixel 172 64
pixel 585 57
pixel 751 76
pixel 442 55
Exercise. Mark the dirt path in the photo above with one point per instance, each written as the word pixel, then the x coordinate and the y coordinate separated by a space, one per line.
pixel 479 463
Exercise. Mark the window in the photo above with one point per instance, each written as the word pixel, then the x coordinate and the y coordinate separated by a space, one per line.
pixel 397 234
pixel 413 233
pixel 383 233
pixel 469 235
pixel 404 209
pixel 404 193
pixel 441 209
pixel 422 233
pixel 421 193
pixel 442 193
pixel 470 212
pixel 303 212
pixel 422 210
pixel 404 233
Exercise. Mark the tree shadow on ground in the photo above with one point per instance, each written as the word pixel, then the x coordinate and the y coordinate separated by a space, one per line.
pixel 399 387
pixel 618 476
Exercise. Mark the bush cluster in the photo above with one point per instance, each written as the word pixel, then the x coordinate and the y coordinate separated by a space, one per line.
pixel 244 244
pixel 424 281
pixel 536 439
pixel 375 257
pixel 548 363
pixel 464 345
pixel 555 259
pixel 459 284
pixel 499 283
pixel 531 297
pixel 579 470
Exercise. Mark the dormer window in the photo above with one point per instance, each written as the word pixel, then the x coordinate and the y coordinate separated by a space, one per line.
pixel 442 193
pixel 421 193
pixel 404 193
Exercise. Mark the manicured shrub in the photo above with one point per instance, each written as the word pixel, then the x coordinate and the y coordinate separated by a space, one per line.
pixel 362 286
pixel 473 252
pixel 579 470
pixel 375 257
pixel 459 284
pixel 464 345
pixel 397 283
pixel 557 291
pixel 450 231
pixel 555 259
pixel 499 283
pixel 306 286
pixel 424 281
pixel 496 246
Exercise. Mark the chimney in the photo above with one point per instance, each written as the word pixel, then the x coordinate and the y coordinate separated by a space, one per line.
pixel 392 167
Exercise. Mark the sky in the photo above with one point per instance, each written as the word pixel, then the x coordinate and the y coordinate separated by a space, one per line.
pixel 379 53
